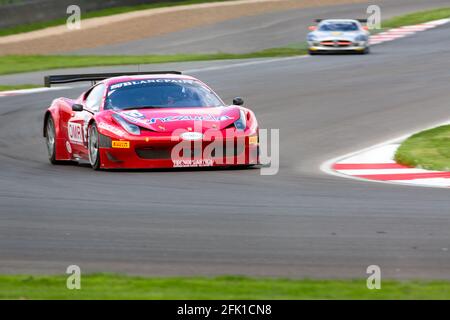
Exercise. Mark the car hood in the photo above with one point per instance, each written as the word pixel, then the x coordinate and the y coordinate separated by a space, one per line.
pixel 168 120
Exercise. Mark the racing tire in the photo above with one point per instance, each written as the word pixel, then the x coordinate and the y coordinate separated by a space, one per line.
pixel 50 140
pixel 312 53
pixel 93 147
pixel 366 51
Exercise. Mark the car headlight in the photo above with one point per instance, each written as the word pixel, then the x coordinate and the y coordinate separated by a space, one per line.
pixel 129 127
pixel 361 37
pixel 311 37
pixel 241 123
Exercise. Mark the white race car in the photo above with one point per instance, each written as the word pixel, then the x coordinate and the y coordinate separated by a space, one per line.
pixel 338 35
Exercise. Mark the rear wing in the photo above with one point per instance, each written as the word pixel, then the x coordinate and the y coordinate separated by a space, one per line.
pixel 94 77
pixel 359 20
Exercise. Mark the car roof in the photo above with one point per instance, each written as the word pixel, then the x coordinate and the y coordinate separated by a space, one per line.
pixel 119 79
pixel 339 20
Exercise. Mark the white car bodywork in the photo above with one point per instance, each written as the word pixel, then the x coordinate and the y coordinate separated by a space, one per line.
pixel 331 36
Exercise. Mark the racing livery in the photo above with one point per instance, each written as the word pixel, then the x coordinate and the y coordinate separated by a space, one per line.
pixel 149 120
pixel 338 35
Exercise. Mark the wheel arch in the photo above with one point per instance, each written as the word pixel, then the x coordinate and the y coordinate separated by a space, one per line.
pixel 55 116
pixel 98 164
pixel 62 153
pixel 44 126
pixel 91 122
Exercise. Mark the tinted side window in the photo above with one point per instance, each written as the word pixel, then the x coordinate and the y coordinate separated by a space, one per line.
pixel 94 98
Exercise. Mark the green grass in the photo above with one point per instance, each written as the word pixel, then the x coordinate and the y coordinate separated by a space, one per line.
pixel 98 13
pixel 18 87
pixel 108 286
pixel 26 63
pixel 417 17
pixel 429 149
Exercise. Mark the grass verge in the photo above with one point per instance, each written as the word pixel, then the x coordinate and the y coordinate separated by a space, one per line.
pixel 18 87
pixel 26 63
pixel 417 17
pixel 109 286
pixel 429 149
pixel 95 14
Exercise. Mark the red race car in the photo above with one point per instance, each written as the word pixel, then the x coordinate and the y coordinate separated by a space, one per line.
pixel 149 120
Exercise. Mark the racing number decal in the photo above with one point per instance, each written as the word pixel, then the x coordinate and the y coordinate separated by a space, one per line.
pixel 75 133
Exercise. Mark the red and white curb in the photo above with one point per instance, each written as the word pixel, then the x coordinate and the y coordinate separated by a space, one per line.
pixel 405 31
pixel 377 164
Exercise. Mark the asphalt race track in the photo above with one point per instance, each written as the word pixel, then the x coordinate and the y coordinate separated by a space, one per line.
pixel 258 32
pixel 300 222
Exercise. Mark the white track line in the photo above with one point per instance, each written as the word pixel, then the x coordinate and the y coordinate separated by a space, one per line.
pixel 28 91
pixel 244 64
pixel 368 172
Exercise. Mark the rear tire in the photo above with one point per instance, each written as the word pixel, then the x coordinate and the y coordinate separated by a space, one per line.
pixel 50 139
pixel 312 53
pixel 93 147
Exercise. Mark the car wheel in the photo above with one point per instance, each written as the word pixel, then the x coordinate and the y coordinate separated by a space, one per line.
pixel 312 53
pixel 50 139
pixel 366 51
pixel 93 147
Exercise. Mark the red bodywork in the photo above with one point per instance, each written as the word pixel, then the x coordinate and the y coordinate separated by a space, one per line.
pixel 153 147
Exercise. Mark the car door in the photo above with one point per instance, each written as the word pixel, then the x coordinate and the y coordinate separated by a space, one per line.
pixel 78 124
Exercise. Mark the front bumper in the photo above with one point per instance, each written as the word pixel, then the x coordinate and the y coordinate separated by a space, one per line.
pixel 162 152
pixel 355 47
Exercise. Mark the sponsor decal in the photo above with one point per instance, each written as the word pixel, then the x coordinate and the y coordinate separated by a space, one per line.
pixel 193 136
pixel 75 133
pixel 133 116
pixel 253 140
pixel 147 81
pixel 121 144
pixel 193 163
pixel 112 129
pixel 208 117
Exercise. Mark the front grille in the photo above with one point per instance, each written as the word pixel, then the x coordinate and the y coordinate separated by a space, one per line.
pixel 216 152
pixel 104 141
pixel 336 43
pixel 189 153
pixel 234 150
pixel 153 153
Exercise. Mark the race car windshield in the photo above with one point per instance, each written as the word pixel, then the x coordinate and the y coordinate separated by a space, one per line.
pixel 160 93
pixel 339 26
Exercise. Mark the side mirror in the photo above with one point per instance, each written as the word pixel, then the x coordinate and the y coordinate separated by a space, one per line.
pixel 77 107
pixel 238 101
pixel 312 28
